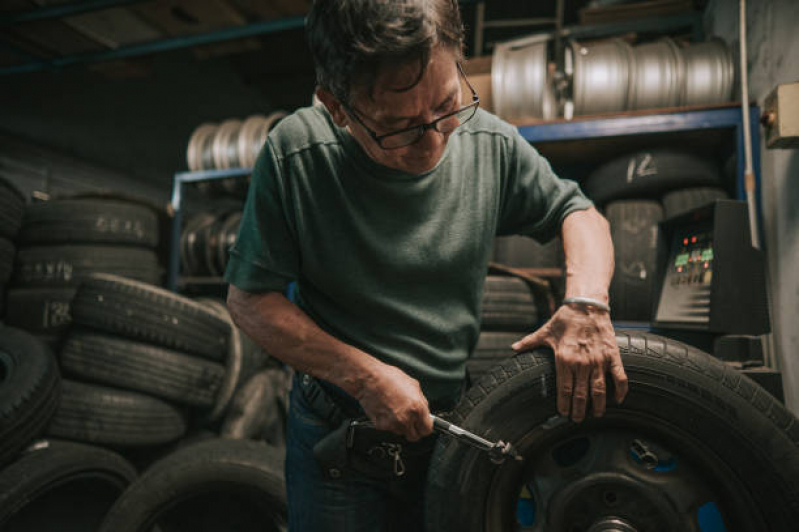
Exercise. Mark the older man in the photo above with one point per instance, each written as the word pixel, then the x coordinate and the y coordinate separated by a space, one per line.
pixel 383 205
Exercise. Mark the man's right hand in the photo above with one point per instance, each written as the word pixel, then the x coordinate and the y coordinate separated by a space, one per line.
pixel 394 401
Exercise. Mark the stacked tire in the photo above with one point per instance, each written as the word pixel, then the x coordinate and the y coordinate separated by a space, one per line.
pixel 12 207
pixel 138 362
pixel 61 243
pixel 637 192
pixel 510 308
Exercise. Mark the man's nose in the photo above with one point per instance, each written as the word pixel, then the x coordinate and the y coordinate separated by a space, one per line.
pixel 431 140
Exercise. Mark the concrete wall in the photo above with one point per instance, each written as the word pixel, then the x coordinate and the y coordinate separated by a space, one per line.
pixel 773 49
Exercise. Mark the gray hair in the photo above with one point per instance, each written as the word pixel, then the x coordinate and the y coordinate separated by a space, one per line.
pixel 352 39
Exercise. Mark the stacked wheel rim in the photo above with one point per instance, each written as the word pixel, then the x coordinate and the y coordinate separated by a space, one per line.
pixel 198 154
pixel 519 80
pixel 658 75
pixel 709 73
pixel 601 76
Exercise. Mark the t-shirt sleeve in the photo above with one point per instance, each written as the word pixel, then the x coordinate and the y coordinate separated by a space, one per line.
pixel 265 256
pixel 534 200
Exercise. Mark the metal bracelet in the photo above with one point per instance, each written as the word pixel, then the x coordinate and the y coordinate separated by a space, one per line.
pixel 587 301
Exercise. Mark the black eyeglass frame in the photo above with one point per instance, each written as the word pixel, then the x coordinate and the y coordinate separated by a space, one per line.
pixel 421 128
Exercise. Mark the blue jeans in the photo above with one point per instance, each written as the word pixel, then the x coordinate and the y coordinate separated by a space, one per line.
pixel 352 504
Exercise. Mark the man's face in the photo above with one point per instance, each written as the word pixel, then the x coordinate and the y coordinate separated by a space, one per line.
pixel 390 109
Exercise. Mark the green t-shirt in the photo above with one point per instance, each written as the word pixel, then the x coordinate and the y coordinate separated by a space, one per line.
pixel 390 262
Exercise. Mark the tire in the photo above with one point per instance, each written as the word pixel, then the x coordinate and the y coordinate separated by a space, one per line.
pixel 42 311
pixel 12 208
pixel 650 174
pixel 689 423
pixel 634 229
pixel 138 367
pixel 87 221
pixel 29 390
pixel 243 360
pixel 491 349
pixel 95 414
pixel 150 314
pixel 680 201
pixel 62 266
pixel 194 489
pixel 256 412
pixel 524 252
pixel 7 251
pixel 57 486
pixel 508 305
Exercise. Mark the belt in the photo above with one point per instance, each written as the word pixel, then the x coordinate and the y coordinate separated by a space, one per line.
pixel 334 407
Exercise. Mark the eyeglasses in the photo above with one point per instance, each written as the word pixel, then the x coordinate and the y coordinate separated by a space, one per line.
pixel 410 135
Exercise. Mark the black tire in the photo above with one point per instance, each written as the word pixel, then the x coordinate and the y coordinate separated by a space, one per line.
pixel 634 229
pixel 508 305
pixel 95 414
pixel 150 314
pixel 650 174
pixel 63 266
pixel 7 252
pixel 139 367
pixel 524 252
pixel 680 201
pixel 689 423
pixel 492 348
pixel 85 221
pixel 42 311
pixel 29 390
pixel 213 485
pixel 257 410
pixel 57 486
pixel 12 208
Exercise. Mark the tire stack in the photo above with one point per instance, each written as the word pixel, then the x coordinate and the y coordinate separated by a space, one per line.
pixel 206 240
pixel 636 192
pixel 12 207
pixel 509 307
pixel 138 361
pixel 61 243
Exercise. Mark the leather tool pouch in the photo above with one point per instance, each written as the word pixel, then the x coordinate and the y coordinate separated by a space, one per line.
pixel 356 446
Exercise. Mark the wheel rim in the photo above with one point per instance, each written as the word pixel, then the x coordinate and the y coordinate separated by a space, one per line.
pixel 634 473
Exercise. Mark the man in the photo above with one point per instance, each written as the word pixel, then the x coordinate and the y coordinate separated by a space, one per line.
pixel 382 205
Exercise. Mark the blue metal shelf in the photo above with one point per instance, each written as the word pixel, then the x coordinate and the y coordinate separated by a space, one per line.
pixel 671 121
pixel 561 131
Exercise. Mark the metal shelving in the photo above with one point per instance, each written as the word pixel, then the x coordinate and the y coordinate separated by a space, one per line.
pixel 726 118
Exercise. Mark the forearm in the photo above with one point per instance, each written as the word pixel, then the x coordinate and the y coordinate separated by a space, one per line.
pixel 589 254
pixel 288 334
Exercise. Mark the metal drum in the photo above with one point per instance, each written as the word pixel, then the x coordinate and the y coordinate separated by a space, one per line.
pixel 602 73
pixel 709 73
pixel 519 79
pixel 657 78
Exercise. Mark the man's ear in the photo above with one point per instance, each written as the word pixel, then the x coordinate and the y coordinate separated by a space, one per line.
pixel 333 106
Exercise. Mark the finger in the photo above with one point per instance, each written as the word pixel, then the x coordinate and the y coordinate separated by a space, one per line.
pixel 565 382
pixel 580 395
pixel 598 390
pixel 424 424
pixel 619 379
pixel 530 341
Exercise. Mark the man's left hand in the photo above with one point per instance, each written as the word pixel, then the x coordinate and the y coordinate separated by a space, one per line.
pixel 585 349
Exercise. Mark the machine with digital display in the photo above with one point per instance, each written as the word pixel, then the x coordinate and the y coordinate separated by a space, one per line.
pixel 710 277
pixel 712 288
